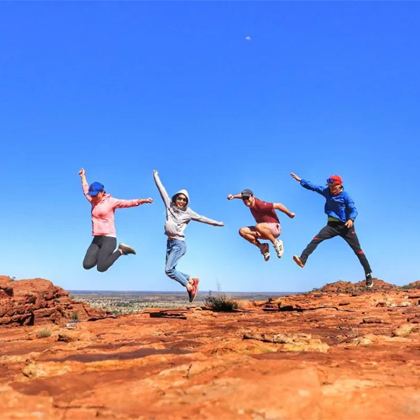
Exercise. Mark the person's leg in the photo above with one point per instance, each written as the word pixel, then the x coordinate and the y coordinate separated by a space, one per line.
pixel 250 234
pixel 349 235
pixel 265 231
pixel 91 257
pixel 327 232
pixel 107 254
pixel 271 231
pixel 175 249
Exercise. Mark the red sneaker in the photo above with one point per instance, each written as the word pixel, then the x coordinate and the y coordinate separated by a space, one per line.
pixel 194 291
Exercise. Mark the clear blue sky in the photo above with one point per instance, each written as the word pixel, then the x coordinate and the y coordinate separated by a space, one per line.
pixel 218 96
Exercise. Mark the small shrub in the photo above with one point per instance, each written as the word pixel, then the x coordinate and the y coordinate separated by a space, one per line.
pixel 116 312
pixel 221 303
pixel 75 317
pixel 45 332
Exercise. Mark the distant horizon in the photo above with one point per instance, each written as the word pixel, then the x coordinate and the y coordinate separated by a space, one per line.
pixel 202 291
pixel 177 292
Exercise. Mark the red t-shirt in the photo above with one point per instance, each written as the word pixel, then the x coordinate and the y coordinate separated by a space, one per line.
pixel 264 212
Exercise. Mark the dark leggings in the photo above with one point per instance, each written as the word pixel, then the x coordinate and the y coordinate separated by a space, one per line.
pixel 349 235
pixel 101 253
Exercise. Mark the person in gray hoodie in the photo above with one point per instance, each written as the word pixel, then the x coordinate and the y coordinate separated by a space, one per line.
pixel 178 215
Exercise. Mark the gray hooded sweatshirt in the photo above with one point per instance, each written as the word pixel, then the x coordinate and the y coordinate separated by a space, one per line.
pixel 176 218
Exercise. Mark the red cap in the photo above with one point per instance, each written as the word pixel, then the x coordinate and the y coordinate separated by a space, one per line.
pixel 335 180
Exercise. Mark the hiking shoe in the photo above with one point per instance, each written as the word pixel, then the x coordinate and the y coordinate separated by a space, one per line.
pixel 265 251
pixel 298 261
pixel 278 246
pixel 369 281
pixel 126 249
pixel 194 291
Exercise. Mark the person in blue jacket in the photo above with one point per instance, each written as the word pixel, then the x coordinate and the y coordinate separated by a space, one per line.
pixel 341 213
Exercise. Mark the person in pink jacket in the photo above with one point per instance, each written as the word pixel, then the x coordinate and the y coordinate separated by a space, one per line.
pixel 103 251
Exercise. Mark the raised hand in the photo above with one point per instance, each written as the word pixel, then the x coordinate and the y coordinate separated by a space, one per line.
pixel 146 200
pixel 295 176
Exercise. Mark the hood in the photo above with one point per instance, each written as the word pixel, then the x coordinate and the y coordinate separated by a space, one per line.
pixel 184 192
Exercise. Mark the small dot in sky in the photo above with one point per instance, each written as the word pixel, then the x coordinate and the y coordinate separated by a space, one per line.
pixel 248 38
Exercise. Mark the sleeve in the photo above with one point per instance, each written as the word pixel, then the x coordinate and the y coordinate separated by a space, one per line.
pixel 85 188
pixel 198 218
pixel 309 186
pixel 163 193
pixel 121 204
pixel 351 210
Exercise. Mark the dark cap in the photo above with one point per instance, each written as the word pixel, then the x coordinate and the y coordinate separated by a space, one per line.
pixel 95 188
pixel 246 193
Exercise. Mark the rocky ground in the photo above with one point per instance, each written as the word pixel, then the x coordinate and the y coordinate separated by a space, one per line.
pixel 338 353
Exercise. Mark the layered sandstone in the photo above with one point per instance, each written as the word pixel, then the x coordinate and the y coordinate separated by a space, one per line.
pixel 37 301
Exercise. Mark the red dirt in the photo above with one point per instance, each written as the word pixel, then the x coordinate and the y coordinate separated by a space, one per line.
pixel 320 355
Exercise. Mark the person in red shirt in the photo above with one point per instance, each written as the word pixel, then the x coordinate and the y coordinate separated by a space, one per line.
pixel 267 226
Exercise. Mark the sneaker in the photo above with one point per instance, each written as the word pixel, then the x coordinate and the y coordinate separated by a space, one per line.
pixel 194 291
pixel 369 281
pixel 265 251
pixel 298 261
pixel 126 249
pixel 278 246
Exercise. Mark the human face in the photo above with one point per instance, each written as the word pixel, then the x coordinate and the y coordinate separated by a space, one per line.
pixel 181 201
pixel 248 201
pixel 98 197
pixel 335 189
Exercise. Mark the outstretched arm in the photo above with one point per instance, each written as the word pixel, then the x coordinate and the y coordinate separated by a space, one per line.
pixel 85 185
pixel 232 196
pixel 120 204
pixel 284 209
pixel 308 185
pixel 163 193
pixel 198 218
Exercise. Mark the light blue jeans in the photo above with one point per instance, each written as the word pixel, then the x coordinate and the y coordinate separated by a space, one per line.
pixel 175 249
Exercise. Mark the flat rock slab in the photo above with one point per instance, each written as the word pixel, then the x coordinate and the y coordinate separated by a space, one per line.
pixel 362 363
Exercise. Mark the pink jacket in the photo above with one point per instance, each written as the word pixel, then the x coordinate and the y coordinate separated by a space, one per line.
pixel 103 223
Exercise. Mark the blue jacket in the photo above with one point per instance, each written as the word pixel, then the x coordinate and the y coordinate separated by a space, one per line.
pixel 339 206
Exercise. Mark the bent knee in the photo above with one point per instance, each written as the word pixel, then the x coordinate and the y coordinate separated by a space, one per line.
pixel 88 266
pixel 243 231
pixel 102 268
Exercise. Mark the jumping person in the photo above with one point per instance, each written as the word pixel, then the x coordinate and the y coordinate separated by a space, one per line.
pixel 267 226
pixel 178 215
pixel 102 251
pixel 341 213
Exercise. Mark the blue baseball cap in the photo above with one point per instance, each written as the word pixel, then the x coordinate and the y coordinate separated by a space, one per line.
pixel 95 188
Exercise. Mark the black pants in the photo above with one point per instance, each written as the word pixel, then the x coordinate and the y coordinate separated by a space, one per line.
pixel 101 253
pixel 330 231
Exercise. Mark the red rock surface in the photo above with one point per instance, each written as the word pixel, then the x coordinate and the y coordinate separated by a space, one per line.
pixel 413 285
pixel 320 355
pixel 37 301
